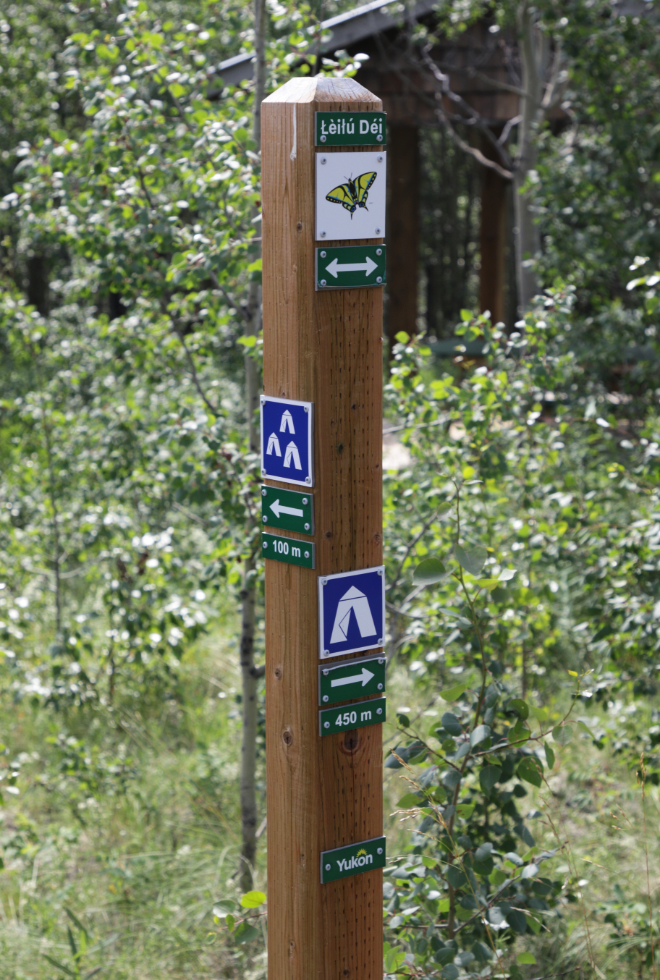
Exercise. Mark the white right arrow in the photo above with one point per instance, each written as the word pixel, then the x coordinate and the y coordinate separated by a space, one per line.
pixel 281 509
pixel 365 676
pixel 367 267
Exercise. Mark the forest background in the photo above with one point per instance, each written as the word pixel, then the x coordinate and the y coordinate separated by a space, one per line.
pixel 522 535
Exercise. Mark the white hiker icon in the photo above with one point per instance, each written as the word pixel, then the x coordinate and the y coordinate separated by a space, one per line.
pixel 291 456
pixel 357 602
pixel 287 423
pixel 274 446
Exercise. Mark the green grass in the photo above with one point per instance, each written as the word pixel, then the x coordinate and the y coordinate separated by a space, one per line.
pixel 130 821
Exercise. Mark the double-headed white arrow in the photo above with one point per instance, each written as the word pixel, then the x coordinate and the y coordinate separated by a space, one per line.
pixel 367 267
pixel 281 509
pixel 365 676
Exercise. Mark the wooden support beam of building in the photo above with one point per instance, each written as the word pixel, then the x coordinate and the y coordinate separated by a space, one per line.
pixel 492 239
pixel 403 230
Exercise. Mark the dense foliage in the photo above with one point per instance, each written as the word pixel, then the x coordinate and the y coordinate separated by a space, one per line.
pixel 522 528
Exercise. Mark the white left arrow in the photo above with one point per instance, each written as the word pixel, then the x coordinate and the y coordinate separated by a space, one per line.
pixel 367 267
pixel 365 676
pixel 281 509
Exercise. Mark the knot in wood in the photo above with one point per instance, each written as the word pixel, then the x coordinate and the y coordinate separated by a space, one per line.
pixel 287 737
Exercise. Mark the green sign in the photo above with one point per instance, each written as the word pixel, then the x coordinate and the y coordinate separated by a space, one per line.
pixel 349 266
pixel 287 509
pixel 289 550
pixel 351 679
pixel 342 862
pixel 351 128
pixel 357 715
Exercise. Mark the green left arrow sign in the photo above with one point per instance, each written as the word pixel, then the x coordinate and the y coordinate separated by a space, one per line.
pixel 287 509
pixel 351 266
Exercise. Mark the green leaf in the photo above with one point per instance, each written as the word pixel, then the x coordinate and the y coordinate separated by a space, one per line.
pixel 453 693
pixel 480 734
pixel 229 921
pixel 517 920
pixel 394 958
pixel 549 755
pixel 252 900
pixel 408 801
pixel 531 770
pixel 429 571
pixel 451 724
pixel 519 706
pixel 245 933
pixel 488 777
pixel 471 559
pixel 450 972
pixel 526 958
pixel 562 734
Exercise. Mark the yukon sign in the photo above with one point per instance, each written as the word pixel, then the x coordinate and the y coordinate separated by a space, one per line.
pixel 343 862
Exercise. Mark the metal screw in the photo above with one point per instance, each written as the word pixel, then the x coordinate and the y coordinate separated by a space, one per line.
pixel 325 673
pixel 324 581
pixel 381 660
pixel 380 571
pixel 306 525
pixel 308 479
pixel 380 159
pixel 263 492
pixel 263 473
pixel 379 278
pixel 323 255
pixel 327 867
pixel 322 234
pixel 380 687
pixel 326 724
pixel 380 139
pixel 305 501
pixel 379 711
pixel 307 408
pixel 323 282
pixel 379 251
pixel 307 554
pixel 324 138
pixel 322 159
pixel 378 231
pixel 265 520
pixel 380 641
pixel 325 696
pixel 265 544
pixel 326 653
pixel 379 850
pixel 263 399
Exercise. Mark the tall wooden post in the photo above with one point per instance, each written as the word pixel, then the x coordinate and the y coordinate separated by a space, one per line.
pixel 325 348
pixel 403 231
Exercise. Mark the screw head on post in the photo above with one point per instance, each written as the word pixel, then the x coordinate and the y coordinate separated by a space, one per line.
pixel 326 724
pixel 323 282
pixel 379 278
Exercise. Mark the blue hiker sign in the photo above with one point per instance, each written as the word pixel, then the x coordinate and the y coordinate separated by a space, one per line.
pixel 286 440
pixel 351 612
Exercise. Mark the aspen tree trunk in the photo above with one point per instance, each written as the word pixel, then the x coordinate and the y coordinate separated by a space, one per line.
pixel 249 673
pixel 527 232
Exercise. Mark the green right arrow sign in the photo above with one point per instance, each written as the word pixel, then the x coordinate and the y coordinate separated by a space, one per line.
pixel 351 266
pixel 351 679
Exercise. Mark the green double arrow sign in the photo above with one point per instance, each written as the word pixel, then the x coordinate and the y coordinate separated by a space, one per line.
pixel 351 266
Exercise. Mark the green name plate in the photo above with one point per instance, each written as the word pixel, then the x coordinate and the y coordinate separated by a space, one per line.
pixel 289 550
pixel 287 509
pixel 351 266
pixel 351 679
pixel 342 862
pixel 351 128
pixel 357 715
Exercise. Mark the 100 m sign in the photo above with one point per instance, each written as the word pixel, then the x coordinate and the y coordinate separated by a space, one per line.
pixel 289 550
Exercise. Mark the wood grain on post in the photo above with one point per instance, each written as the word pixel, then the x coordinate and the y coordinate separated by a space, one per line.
pixel 323 347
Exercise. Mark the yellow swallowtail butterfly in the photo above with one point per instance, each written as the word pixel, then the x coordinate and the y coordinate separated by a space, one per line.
pixel 353 194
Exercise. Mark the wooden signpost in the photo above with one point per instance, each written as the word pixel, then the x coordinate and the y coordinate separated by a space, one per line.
pixel 323 349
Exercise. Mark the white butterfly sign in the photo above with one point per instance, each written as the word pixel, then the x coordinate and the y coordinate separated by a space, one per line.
pixel 350 195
